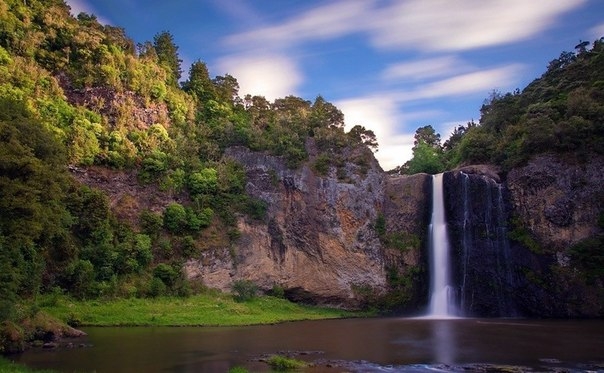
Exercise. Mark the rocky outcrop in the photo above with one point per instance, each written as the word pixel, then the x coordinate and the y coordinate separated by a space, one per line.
pixel 512 238
pixel 485 275
pixel 121 108
pixel 127 196
pixel 558 201
pixel 318 241
pixel 407 211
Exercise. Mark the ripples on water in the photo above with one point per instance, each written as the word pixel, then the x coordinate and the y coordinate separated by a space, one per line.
pixel 355 345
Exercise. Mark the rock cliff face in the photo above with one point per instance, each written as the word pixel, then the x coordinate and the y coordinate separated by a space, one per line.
pixel 513 237
pixel 514 241
pixel 558 201
pixel 559 204
pixel 318 241
pixel 485 275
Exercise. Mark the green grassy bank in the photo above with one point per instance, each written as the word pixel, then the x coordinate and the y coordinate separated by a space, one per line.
pixel 7 366
pixel 197 310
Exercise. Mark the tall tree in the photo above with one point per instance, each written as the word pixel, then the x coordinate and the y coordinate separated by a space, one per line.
pixel 427 135
pixel 325 114
pixel 199 82
pixel 167 53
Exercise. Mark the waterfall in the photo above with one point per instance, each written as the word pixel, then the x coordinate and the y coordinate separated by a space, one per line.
pixel 482 273
pixel 442 303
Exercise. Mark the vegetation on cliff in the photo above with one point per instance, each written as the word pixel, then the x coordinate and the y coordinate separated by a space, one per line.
pixel 81 103
pixel 562 112
pixel 546 140
pixel 80 100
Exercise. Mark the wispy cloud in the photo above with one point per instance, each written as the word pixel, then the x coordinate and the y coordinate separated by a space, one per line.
pixel 416 24
pixel 478 81
pixel 239 10
pixel 325 22
pixel 269 75
pixel 424 69
pixel 433 28
pixel 440 25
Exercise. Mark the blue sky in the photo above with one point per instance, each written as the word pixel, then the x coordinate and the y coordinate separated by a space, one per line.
pixel 391 66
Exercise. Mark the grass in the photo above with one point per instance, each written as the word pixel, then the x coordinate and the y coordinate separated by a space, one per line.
pixel 198 310
pixel 282 363
pixel 7 366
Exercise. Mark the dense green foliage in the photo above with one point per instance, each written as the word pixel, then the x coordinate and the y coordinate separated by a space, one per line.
pixel 561 112
pixel 76 94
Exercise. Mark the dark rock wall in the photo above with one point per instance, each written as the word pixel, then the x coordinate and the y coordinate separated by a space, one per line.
pixel 512 240
pixel 483 259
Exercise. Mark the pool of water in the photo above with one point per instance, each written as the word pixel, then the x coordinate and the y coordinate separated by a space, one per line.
pixel 382 344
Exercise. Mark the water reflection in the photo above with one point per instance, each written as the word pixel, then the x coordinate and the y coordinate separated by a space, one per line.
pixel 444 343
pixel 383 342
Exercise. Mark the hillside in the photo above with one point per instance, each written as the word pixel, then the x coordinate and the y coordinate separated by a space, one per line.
pixel 120 177
pixel 112 172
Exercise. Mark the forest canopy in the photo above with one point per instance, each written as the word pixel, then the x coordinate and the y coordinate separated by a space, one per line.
pixel 76 94
pixel 561 112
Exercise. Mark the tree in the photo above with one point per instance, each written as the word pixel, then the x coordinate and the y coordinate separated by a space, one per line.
pixel 325 114
pixel 425 159
pixel 167 54
pixel 227 89
pixel 199 82
pixel 427 153
pixel 428 136
pixel 361 135
pixel 458 133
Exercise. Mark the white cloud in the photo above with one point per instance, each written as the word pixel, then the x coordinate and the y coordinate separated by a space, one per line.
pixel 272 75
pixel 439 25
pixel 423 69
pixel 380 115
pixel 436 25
pixel 328 21
pixel 484 80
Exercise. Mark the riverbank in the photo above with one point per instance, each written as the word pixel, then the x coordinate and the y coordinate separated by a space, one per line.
pixel 213 309
pixel 8 366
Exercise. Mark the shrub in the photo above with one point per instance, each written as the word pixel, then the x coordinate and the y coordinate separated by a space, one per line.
pixel 244 290
pixel 277 291
pixel 175 218
pixel 255 208
pixel 204 181
pixel 198 220
pixel 157 288
pixel 142 248
pixel 322 164
pixel 188 247
pixel 150 222
pixel 165 273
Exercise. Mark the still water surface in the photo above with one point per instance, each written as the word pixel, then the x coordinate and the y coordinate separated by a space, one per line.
pixel 388 344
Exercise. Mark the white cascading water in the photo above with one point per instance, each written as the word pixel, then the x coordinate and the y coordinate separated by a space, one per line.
pixel 441 302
